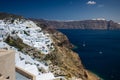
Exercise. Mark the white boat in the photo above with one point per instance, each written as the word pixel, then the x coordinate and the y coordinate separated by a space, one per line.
pixel 100 52
pixel 83 44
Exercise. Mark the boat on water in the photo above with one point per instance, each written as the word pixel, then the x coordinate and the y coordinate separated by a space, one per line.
pixel 83 44
pixel 100 52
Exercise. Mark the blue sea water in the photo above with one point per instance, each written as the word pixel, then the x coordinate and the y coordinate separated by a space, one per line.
pixel 99 50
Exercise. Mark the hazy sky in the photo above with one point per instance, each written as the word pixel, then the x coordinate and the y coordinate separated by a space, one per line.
pixel 63 9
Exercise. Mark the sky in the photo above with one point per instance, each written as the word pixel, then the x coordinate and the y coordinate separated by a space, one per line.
pixel 63 9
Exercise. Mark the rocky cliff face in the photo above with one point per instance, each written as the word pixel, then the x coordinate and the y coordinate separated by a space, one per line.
pixel 86 24
pixel 69 62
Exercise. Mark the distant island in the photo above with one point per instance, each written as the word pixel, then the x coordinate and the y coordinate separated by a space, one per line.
pixel 100 24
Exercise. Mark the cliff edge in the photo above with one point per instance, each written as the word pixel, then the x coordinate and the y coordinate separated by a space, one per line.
pixel 67 60
pixel 45 50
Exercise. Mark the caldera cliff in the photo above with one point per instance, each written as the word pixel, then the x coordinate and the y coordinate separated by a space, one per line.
pixel 83 24
pixel 56 58
pixel 67 60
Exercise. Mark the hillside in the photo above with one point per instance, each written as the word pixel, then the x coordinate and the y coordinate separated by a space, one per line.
pixel 42 51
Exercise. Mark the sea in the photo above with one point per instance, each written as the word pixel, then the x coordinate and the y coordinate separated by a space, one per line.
pixel 99 50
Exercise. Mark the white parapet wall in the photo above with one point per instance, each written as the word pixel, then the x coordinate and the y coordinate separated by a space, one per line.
pixel 7 64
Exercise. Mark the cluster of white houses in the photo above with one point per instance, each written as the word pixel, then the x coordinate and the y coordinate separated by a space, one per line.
pixel 32 36
pixel 27 67
pixel 29 33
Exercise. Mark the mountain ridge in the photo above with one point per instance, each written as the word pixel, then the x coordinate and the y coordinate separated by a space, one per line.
pixel 83 24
